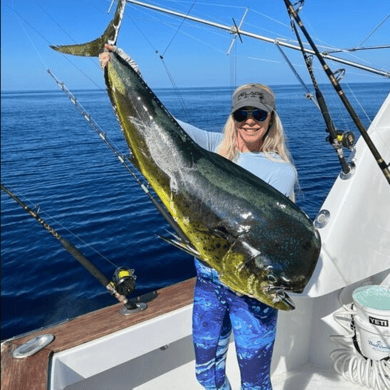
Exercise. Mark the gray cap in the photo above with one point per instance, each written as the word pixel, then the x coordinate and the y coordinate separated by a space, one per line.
pixel 253 97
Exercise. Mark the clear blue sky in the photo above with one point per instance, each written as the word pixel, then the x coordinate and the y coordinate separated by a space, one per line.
pixel 197 54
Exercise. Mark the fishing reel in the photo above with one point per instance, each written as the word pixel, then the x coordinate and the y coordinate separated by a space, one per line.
pixel 123 284
pixel 124 281
pixel 345 138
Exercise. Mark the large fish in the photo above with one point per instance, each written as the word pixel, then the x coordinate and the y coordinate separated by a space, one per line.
pixel 260 242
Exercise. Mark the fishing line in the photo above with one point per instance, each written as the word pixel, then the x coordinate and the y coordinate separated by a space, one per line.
pixel 29 38
pixel 181 24
pixel 166 68
pixel 123 282
pixel 19 18
pixel 123 159
pixel 58 25
pixel 169 74
pixel 358 102
pixel 200 27
pixel 37 209
pixel 49 43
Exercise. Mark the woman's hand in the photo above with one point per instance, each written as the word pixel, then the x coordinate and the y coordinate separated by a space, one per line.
pixel 104 57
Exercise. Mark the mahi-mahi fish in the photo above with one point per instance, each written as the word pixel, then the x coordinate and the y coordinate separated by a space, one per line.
pixel 259 241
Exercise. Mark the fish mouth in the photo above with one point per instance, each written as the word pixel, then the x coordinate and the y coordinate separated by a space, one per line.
pixel 278 294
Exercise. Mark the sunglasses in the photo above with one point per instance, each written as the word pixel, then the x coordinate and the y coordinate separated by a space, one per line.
pixel 257 114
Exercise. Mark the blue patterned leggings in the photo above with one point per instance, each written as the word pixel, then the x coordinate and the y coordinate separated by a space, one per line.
pixel 218 310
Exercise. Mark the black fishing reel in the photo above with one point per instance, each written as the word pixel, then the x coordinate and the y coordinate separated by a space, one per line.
pixel 124 281
pixel 124 284
pixel 345 138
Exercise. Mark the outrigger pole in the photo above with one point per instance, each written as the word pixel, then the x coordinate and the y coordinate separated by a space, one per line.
pixel 124 280
pixel 378 158
pixel 237 31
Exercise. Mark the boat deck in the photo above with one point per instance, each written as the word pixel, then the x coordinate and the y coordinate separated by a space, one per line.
pixel 154 371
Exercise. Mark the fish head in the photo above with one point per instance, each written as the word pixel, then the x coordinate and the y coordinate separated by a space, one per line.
pixel 268 271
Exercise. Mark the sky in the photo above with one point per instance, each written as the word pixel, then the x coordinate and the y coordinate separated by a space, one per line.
pixel 193 55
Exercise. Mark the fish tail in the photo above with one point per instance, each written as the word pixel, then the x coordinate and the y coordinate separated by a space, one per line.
pixel 95 47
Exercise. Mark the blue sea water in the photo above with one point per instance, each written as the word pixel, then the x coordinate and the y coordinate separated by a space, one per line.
pixel 53 160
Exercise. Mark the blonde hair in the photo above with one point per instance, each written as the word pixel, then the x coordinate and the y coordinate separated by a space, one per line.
pixel 274 142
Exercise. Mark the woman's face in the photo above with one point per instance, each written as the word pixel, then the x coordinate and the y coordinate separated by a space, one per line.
pixel 250 132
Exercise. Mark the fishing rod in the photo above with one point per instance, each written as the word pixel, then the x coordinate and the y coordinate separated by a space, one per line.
pixel 378 158
pixel 123 282
pixel 308 94
pixel 182 239
pixel 337 139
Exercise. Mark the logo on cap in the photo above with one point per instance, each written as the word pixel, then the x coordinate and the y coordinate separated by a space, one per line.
pixel 252 94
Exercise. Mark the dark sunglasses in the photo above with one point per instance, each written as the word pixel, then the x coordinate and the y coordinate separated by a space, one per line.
pixel 257 114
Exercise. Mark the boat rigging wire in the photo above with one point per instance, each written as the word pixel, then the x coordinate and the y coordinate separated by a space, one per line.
pixel 356 49
pixel 378 158
pixel 260 37
pixel 376 28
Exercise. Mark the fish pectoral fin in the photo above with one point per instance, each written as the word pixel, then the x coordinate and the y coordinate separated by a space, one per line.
pixel 180 244
pixel 221 231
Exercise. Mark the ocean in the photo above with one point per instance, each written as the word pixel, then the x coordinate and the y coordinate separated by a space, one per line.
pixel 57 164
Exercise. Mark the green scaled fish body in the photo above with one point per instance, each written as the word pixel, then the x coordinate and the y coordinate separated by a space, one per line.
pixel 261 243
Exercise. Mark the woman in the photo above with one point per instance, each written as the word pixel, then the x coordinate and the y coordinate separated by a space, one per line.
pixel 253 138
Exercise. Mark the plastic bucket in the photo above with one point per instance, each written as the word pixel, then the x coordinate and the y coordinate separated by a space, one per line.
pixel 374 342
pixel 373 320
